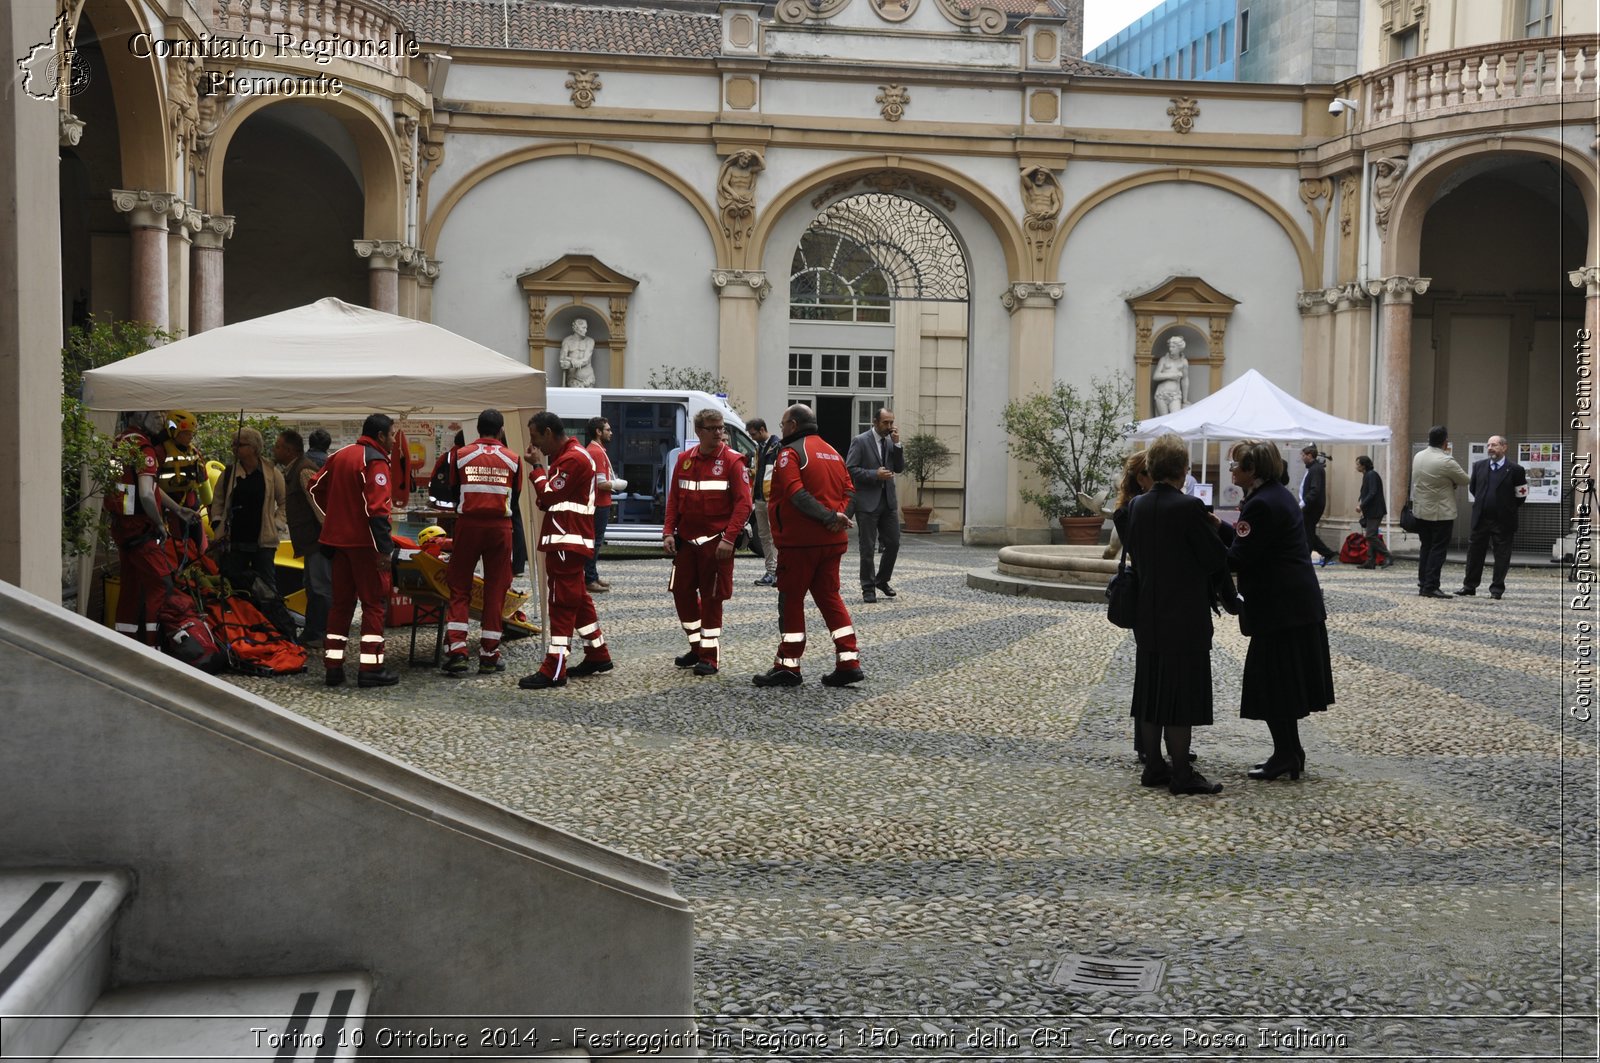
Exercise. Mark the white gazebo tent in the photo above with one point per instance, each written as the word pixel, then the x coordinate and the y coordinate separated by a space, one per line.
pixel 328 359
pixel 1253 407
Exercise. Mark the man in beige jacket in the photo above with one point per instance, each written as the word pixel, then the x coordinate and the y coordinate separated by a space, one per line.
pixel 1435 475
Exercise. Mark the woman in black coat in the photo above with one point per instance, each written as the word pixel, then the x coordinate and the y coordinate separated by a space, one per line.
pixel 1288 673
pixel 1135 482
pixel 1177 557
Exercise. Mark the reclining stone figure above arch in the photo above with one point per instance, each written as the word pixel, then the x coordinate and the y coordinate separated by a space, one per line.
pixel 1179 326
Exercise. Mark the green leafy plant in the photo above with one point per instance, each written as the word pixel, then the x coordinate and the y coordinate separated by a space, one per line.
pixel 926 455
pixel 1073 439
pixel 688 378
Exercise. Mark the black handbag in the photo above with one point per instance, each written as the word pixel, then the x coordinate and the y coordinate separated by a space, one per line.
pixel 1408 518
pixel 1122 595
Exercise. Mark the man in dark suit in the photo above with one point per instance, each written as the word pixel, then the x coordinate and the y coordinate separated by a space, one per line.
pixel 874 457
pixel 1313 501
pixel 1499 489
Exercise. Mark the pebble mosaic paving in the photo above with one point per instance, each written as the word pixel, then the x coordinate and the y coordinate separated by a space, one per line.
pixel 896 870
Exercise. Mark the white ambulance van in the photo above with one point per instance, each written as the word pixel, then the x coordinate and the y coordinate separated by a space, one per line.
pixel 646 427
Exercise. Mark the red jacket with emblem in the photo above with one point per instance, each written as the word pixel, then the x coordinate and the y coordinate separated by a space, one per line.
pixel 565 491
pixel 354 494
pixel 487 476
pixel 128 520
pixel 710 495
pixel 807 463
pixel 602 473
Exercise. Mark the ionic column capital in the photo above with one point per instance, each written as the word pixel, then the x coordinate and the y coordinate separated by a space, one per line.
pixel 1587 278
pixel 70 130
pixel 148 210
pixel 383 254
pixel 1397 289
pixel 213 230
pixel 742 283
pixel 414 262
pixel 1036 293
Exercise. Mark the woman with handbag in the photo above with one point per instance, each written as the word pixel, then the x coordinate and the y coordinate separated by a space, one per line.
pixel 1135 482
pixel 1288 672
pixel 1178 559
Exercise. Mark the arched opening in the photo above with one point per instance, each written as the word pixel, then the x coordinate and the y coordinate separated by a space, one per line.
pixel 1490 337
pixel 879 316
pixel 292 248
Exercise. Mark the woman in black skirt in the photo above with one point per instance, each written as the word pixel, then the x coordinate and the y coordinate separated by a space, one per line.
pixel 1287 671
pixel 1135 482
pixel 1170 534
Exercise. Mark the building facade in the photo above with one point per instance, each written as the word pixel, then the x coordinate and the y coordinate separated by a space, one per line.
pixel 856 203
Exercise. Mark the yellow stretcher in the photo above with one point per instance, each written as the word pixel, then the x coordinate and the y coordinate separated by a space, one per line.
pixel 420 573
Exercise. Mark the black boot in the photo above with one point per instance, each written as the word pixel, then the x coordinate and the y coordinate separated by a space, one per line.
pixel 1185 780
pixel 1156 770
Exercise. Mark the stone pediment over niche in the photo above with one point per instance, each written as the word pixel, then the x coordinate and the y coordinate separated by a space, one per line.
pixel 1185 309
pixel 924 16
pixel 570 288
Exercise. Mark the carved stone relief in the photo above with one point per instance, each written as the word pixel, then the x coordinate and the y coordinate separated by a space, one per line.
pixel 1387 174
pixel 736 195
pixel 1041 204
pixel 893 100
pixel 585 86
pixel 894 10
pixel 1184 110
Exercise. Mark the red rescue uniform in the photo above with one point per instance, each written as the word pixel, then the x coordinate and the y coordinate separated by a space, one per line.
pixel 353 490
pixel 145 564
pixel 565 494
pixel 808 552
pixel 709 504
pixel 487 476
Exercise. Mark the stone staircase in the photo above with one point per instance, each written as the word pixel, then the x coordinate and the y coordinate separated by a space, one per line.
pixel 55 956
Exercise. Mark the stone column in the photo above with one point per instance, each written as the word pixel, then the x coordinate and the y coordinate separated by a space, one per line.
pixel 180 248
pixel 30 319
pixel 206 299
pixel 1032 368
pixel 412 260
pixel 740 294
pixel 147 217
pixel 384 289
pixel 427 273
pixel 1394 372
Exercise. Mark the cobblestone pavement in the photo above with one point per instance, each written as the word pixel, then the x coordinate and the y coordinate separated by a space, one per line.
pixel 901 867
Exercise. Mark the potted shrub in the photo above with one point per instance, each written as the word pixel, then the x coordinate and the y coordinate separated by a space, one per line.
pixel 1073 439
pixel 925 454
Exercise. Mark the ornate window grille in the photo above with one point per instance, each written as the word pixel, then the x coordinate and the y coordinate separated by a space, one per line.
pixel 868 251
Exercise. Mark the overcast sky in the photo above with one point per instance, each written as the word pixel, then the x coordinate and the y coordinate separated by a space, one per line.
pixel 1102 18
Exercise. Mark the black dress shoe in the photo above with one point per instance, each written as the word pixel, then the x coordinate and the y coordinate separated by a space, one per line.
pixel 1275 768
pixel 687 660
pixel 1192 782
pixel 1466 592
pixel 540 681
pixel 869 594
pixel 1496 595
pixel 1156 773
pixel 377 679
pixel 778 677
pixel 843 677
pixel 888 591
pixel 590 666
pixel 1435 593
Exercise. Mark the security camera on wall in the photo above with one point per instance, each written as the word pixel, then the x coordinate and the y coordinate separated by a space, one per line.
pixel 1340 105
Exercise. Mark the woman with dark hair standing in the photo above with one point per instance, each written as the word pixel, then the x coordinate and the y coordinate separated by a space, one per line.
pixel 1288 673
pixel 1178 558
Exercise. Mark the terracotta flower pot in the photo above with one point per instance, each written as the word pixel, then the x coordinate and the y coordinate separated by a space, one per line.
pixel 916 518
pixel 1081 531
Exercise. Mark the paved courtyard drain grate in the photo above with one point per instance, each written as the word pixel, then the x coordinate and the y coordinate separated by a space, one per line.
pixel 1085 974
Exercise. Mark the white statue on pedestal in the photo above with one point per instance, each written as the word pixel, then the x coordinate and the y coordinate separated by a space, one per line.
pixel 577 356
pixel 1171 376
